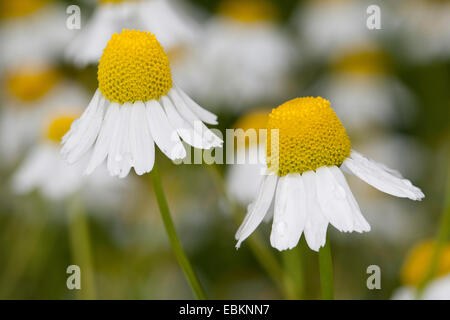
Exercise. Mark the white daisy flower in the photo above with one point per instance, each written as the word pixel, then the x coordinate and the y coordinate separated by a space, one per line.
pixel 424 28
pixel 328 26
pixel 249 158
pixel 415 270
pixel 136 106
pixel 164 18
pixel 363 91
pixel 31 29
pixel 244 56
pixel 30 93
pixel 44 170
pixel 307 153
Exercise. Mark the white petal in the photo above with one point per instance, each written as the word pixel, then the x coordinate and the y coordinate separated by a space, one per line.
pixel 333 200
pixel 258 209
pixel 163 133
pixel 84 130
pixel 183 127
pixel 289 212
pixel 316 223
pixel 119 154
pixel 142 145
pixel 380 178
pixel 208 137
pixel 204 115
pixel 111 121
pixel 359 222
pixel 124 157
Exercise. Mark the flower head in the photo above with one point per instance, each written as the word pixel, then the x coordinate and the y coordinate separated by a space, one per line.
pixel 310 136
pixel 305 177
pixel 418 261
pixel 29 84
pixel 134 67
pixel 136 106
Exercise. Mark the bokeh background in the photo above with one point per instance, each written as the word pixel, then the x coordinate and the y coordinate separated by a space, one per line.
pixel 390 87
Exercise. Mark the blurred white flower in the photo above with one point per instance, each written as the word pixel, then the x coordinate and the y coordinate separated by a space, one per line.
pixel 364 92
pixel 43 168
pixel 243 57
pixel 30 93
pixel 424 28
pixel 416 269
pixel 169 20
pixel 327 26
pixel 32 30
pixel 248 163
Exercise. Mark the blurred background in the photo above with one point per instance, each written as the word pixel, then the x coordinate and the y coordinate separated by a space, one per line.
pixel 238 58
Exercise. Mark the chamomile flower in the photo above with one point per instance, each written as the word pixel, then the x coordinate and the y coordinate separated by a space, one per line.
pixel 424 28
pixel 30 92
pixel 244 57
pixel 45 171
pixel 416 268
pixel 329 26
pixel 249 159
pixel 164 18
pixel 364 91
pixel 31 29
pixel 136 106
pixel 306 153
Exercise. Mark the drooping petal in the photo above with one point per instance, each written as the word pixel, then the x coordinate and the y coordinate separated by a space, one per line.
pixel 204 115
pixel 184 128
pixel 258 209
pixel 384 180
pixel 289 212
pixel 316 223
pixel 105 136
pixel 84 130
pixel 163 133
pixel 186 113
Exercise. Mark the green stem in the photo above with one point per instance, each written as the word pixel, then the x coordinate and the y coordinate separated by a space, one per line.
pixel 81 247
pixel 174 241
pixel 326 272
pixel 441 239
pixel 293 279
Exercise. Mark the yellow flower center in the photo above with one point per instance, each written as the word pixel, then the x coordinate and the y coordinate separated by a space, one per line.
pixel 30 84
pixel 10 9
pixel 253 120
pixel 310 136
pixel 362 62
pixel 418 262
pixel 58 127
pixel 134 67
pixel 248 11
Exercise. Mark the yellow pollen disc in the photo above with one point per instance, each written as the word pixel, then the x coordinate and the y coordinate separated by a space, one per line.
pixel 58 127
pixel 134 67
pixel 30 84
pixel 418 262
pixel 248 10
pixel 20 8
pixel 362 62
pixel 253 120
pixel 310 136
